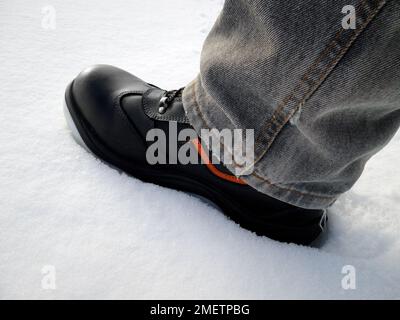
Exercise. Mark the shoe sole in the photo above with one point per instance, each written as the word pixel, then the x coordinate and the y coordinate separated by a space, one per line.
pixel 86 138
pixel 74 130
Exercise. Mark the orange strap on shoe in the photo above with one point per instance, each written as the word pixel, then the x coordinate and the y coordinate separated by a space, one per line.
pixel 212 168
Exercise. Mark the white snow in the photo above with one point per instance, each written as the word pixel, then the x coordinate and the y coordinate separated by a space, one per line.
pixel 110 236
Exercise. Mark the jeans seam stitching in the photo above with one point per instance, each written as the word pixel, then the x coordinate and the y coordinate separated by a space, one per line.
pixel 315 84
pixel 303 193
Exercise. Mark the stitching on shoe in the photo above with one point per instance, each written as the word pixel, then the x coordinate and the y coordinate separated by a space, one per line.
pixel 118 107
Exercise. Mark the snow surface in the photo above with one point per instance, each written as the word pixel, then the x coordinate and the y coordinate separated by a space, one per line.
pixel 111 236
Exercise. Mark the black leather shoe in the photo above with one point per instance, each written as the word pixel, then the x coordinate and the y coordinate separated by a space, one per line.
pixel 110 113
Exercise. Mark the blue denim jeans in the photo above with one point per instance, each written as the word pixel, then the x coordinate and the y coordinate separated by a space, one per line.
pixel 322 99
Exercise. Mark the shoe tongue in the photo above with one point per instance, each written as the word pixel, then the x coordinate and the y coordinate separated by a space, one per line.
pixel 151 105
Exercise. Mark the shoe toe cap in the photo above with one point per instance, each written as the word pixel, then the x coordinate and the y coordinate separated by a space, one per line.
pixel 97 92
pixel 101 85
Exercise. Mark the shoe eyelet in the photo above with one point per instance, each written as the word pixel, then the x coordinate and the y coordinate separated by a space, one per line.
pixel 163 105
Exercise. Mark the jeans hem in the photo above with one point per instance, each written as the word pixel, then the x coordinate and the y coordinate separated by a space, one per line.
pixel 285 193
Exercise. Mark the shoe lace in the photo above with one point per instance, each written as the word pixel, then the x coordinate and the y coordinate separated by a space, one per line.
pixel 323 221
pixel 168 98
